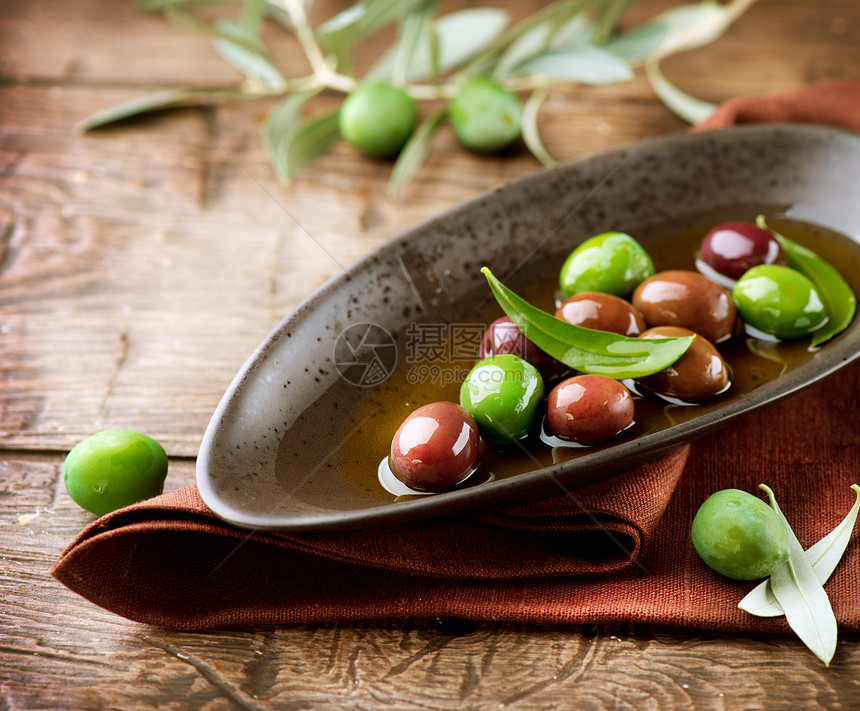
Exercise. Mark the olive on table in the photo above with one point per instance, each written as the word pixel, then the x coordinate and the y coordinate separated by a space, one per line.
pixel 378 118
pixel 503 393
pixel 588 409
pixel 735 247
pixel 113 469
pixel 612 262
pixel 779 301
pixel 699 374
pixel 435 448
pixel 689 300
pixel 739 535
pixel 604 312
pixel 503 336
pixel 485 115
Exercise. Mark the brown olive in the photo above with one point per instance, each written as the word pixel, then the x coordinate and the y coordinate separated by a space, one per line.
pixel 689 300
pixel 605 312
pixel 697 375
pixel 436 447
pixel 588 409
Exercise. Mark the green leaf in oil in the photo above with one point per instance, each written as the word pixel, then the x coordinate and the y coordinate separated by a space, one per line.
pixel 798 590
pixel 585 349
pixel 838 296
pixel 824 556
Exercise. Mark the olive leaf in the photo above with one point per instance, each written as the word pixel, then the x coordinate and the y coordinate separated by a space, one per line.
pixel 460 35
pixel 533 42
pixel 415 152
pixel 341 32
pixel 562 41
pixel 608 16
pixel 279 128
pixel 689 108
pixel 690 26
pixel 838 296
pixel 241 49
pixel 585 349
pixel 573 32
pixel 585 65
pixel 824 556
pixel 278 13
pixel 526 31
pixel 300 144
pixel 171 98
pixel 530 132
pixel 557 32
pixel 161 5
pixel 412 29
pixel 639 43
pixel 799 592
pixel 681 29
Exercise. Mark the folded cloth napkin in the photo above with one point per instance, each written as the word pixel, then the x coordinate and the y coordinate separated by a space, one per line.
pixel 614 552
pixel 833 104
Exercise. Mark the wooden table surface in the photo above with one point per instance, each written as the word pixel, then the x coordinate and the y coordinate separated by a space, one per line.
pixel 140 265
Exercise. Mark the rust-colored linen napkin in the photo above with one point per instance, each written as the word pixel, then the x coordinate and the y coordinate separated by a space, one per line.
pixel 618 551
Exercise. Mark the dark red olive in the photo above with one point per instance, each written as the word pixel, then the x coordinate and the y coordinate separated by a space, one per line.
pixel 503 336
pixel 699 374
pixel 735 247
pixel 436 447
pixel 689 300
pixel 588 409
pixel 605 312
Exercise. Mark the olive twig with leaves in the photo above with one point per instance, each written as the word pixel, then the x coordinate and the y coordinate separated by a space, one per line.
pixel 472 60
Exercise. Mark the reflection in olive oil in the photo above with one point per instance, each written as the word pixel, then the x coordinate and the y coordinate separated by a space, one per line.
pixel 341 440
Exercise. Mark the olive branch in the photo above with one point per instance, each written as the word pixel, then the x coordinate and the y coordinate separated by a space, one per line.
pixel 433 57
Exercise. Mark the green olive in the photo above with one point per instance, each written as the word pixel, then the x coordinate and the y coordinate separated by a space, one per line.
pixel 739 535
pixel 114 468
pixel 378 119
pixel 485 116
pixel 779 301
pixel 612 262
pixel 503 393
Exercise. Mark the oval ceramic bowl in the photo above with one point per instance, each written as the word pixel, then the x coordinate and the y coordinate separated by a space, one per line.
pixel 432 273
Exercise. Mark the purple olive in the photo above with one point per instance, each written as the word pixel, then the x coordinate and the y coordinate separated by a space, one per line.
pixel 588 409
pixel 735 247
pixel 503 337
pixel 436 447
pixel 604 312
pixel 689 300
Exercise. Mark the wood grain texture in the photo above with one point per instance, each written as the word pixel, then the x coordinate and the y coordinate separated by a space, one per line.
pixel 140 265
